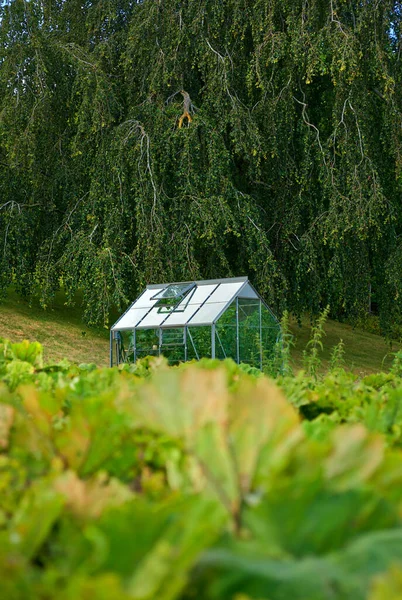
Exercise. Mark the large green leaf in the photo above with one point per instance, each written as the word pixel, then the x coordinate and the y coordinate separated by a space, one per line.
pixel 36 514
pixel 30 352
pixel 342 575
pixel 164 571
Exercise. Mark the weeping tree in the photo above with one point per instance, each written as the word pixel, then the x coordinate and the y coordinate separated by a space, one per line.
pixel 149 141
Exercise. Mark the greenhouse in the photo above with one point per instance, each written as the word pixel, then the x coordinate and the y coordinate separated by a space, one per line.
pixel 218 318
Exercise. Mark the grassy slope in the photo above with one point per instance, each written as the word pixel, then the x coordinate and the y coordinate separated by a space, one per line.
pixel 63 335
pixel 59 329
pixel 364 352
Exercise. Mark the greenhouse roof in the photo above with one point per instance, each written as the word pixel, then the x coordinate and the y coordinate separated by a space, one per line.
pixel 184 303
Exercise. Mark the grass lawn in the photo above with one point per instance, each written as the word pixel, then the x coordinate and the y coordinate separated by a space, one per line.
pixel 364 352
pixel 61 331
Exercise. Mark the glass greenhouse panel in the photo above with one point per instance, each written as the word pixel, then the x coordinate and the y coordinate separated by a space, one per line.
pixel 173 344
pixel 125 346
pixel 248 292
pixel 147 342
pixel 267 318
pixel 173 337
pixel 146 298
pixel 229 316
pixel 132 318
pixel 179 318
pixel 208 313
pixel 225 293
pixel 249 332
pixel 249 307
pixel 270 337
pixel 153 319
pixel 201 294
pixel 226 334
pixel 250 351
pixel 199 344
pixel 225 341
pixel 174 352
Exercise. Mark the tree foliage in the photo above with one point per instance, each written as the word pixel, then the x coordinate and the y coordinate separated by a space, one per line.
pixel 290 168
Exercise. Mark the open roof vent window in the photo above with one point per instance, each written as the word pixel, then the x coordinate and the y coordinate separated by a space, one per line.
pixel 170 298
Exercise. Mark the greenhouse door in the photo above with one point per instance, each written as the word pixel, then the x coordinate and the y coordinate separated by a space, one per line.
pixel 173 344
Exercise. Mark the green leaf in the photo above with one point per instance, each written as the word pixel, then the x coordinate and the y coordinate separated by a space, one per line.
pixel 30 352
pixel 32 522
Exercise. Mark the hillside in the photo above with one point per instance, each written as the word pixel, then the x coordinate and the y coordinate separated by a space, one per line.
pixel 59 329
pixel 63 335
pixel 364 352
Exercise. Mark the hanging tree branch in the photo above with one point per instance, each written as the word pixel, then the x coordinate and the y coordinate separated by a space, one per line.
pixel 186 108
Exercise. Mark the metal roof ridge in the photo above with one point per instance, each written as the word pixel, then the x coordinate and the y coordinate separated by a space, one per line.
pixel 154 286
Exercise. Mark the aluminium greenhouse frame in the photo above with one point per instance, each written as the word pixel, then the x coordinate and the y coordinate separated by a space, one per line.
pixel 216 318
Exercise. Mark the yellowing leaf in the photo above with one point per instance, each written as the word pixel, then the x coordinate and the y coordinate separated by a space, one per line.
pixel 263 429
pixel 30 352
pixel 388 586
pixel 6 422
pixel 355 457
pixel 88 499
pixel 179 403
